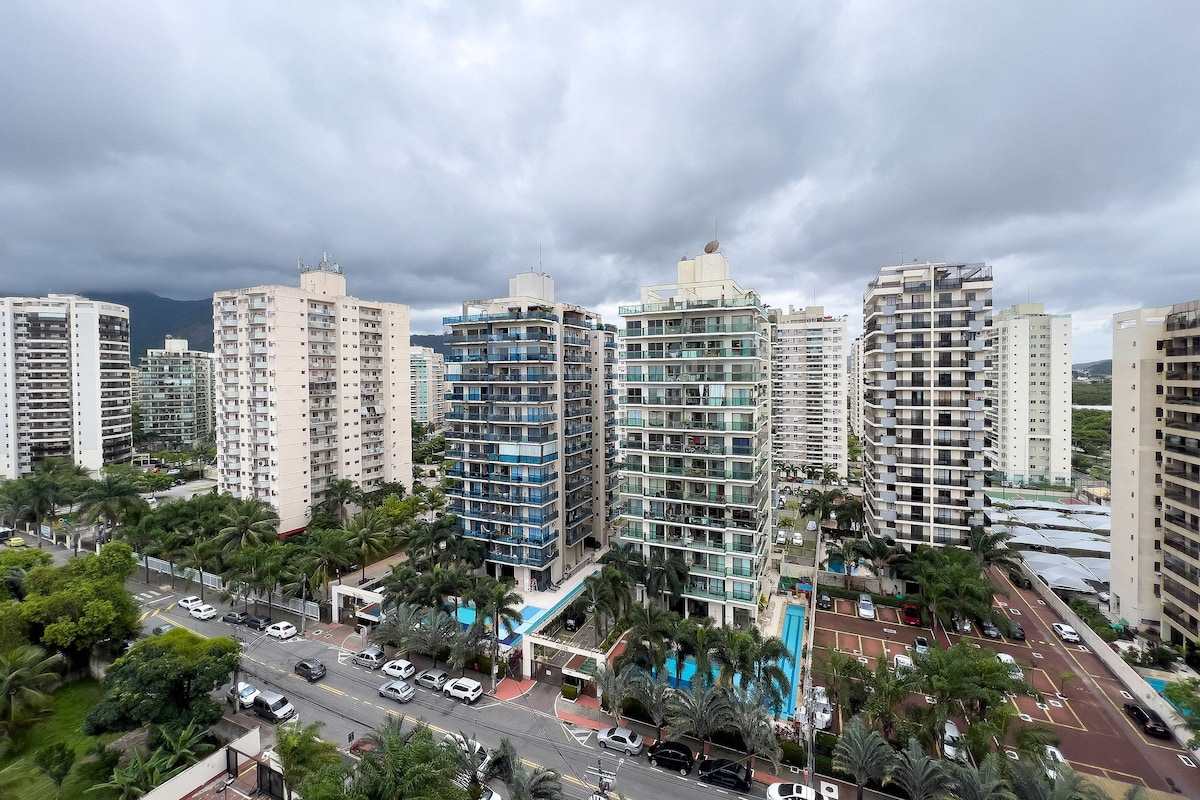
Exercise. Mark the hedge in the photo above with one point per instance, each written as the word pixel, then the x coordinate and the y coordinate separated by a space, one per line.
pixel 570 691
pixel 793 754
pixel 879 599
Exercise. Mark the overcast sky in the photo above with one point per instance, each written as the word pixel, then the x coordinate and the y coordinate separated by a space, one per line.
pixel 434 149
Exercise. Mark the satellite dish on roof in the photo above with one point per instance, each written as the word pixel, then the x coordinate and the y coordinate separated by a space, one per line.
pixel 712 246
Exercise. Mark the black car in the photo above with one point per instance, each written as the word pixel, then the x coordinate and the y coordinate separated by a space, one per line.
pixel 730 774
pixel 824 601
pixel 1015 631
pixel 672 755
pixel 235 617
pixel 258 623
pixel 1148 720
pixel 310 669
pixel 1020 579
pixel 989 629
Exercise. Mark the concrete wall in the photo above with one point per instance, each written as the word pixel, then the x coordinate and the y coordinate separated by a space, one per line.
pixel 204 771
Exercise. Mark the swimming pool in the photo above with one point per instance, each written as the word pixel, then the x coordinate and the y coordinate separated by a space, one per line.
pixel 792 636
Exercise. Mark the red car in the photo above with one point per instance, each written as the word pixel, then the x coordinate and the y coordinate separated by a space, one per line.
pixel 910 614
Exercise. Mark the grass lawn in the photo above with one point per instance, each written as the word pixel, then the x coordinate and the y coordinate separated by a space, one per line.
pixel 71 706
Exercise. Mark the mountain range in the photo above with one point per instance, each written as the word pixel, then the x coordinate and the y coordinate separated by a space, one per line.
pixel 1095 368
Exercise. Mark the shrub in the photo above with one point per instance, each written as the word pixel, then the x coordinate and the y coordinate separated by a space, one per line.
pixel 793 754
pixel 570 691
pixel 879 599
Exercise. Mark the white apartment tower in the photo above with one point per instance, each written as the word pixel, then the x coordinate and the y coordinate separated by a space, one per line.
pixel 64 382
pixel 855 405
pixel 808 388
pixel 696 435
pixel 924 371
pixel 428 378
pixel 531 430
pixel 176 394
pixel 312 386
pixel 1029 431
pixel 1156 469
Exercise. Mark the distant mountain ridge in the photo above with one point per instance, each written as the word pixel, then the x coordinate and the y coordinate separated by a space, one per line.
pixel 1096 368
pixel 434 340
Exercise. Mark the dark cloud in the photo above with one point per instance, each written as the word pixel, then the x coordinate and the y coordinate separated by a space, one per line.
pixel 437 149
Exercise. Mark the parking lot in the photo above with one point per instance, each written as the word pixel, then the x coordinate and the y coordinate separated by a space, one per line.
pixel 1085 709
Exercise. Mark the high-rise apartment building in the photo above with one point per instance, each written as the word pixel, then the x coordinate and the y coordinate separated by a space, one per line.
pixel 1156 469
pixel 1029 430
pixel 64 382
pixel 924 373
pixel 696 435
pixel 808 388
pixel 530 429
pixel 854 379
pixel 312 386
pixel 176 394
pixel 427 378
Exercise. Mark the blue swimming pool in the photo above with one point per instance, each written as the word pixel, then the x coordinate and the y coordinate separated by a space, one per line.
pixel 792 636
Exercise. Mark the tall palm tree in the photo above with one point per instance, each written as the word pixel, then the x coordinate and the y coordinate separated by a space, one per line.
pixel 110 500
pixel 26 676
pixel 369 535
pixel 769 680
pixel 888 691
pixel 749 718
pixel 984 782
pixel 694 638
pixel 840 671
pixel 816 503
pixel 534 783
pixel 43 494
pixel 434 634
pixel 627 559
pixel 654 693
pixel 329 552
pixel 990 549
pixel 829 474
pixel 201 556
pixel 863 754
pixel 919 776
pixel 397 627
pixel 503 605
pixel 617 687
pixel 396 585
pixel 246 524
pixel 700 711
pixel 650 628
pixel 877 551
pixel 665 576
pixel 733 656
pixel 339 493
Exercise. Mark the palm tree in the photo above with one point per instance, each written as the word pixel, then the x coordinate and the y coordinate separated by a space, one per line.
pixel 841 671
pixel 26 676
pixel 888 691
pixel 829 474
pixel 627 559
pixel 863 754
pixel 617 687
pixel 734 655
pixel 369 535
pixel 200 555
pixel 985 782
pixel 504 607
pixel 878 551
pixel 654 693
pixel 818 504
pixel 42 495
pixel 248 523
pixel 329 553
pixel 700 711
pixel 767 677
pixel 110 499
pixel 919 776
pixel 1000 729
pixel 694 638
pixel 534 783
pixel 749 718
pixel 665 576
pixel 434 634
pixel 338 494
pixel 396 585
pixel 990 549
pixel 397 628
pixel 650 628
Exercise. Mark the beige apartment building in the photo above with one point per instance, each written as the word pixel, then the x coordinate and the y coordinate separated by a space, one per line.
pixel 924 372
pixel 1029 430
pixel 312 386
pixel 696 435
pixel 1156 469
pixel 427 381
pixel 530 430
pixel 64 382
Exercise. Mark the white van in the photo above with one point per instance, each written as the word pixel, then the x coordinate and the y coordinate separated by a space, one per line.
pixel 273 707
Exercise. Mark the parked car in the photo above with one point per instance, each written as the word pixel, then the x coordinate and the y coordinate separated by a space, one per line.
pixel 1053 761
pixel 158 630
pixel 243 693
pixel 1065 632
pixel 432 679
pixel 797 538
pixel 204 611
pixel 1020 579
pixel 950 742
pixel 15 541
pixel 399 668
pixel 920 645
pixel 989 629
pixel 1014 669
pixel 960 623
pixel 672 755
pixel 399 691
pixel 811 526
pixel 282 630
pixel 730 774
pixel 371 658
pixel 259 622
pixel 910 614
pixel 188 603
pixel 620 739
pixel 1148 720
pixel 824 601
pixel 781 536
pixel 574 619
pixel 1015 631
pixel 466 689
pixel 235 617
pixel 310 669
pixel 866 607
pixel 902 663
pixel 791 791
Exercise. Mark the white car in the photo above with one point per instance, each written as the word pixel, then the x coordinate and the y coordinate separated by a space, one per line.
pixel 244 692
pixel 781 537
pixel 281 630
pixel 866 607
pixel 902 663
pixel 950 742
pixel 790 791
pixel 190 602
pixel 798 538
pixel 1014 669
pixel 822 715
pixel 812 525
pixel 466 689
pixel 620 739
pixel 1065 632
pixel 399 668
pixel 921 646
pixel 203 612
pixel 1052 761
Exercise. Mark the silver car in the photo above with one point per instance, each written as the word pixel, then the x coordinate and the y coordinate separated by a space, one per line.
pixel 399 691
pixel 432 679
pixel 620 739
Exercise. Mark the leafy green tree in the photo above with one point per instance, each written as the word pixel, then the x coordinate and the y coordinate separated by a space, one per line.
pixel 55 762
pixel 165 680
pixel 303 753
pixel 862 754
pixel 1185 695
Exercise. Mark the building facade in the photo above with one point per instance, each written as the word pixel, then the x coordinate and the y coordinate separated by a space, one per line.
pixel 808 388
pixel 854 379
pixel 428 380
pixel 64 382
pixel 312 386
pixel 696 435
pixel 1029 430
pixel 1156 469
pixel 530 430
pixel 924 372
pixel 176 395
